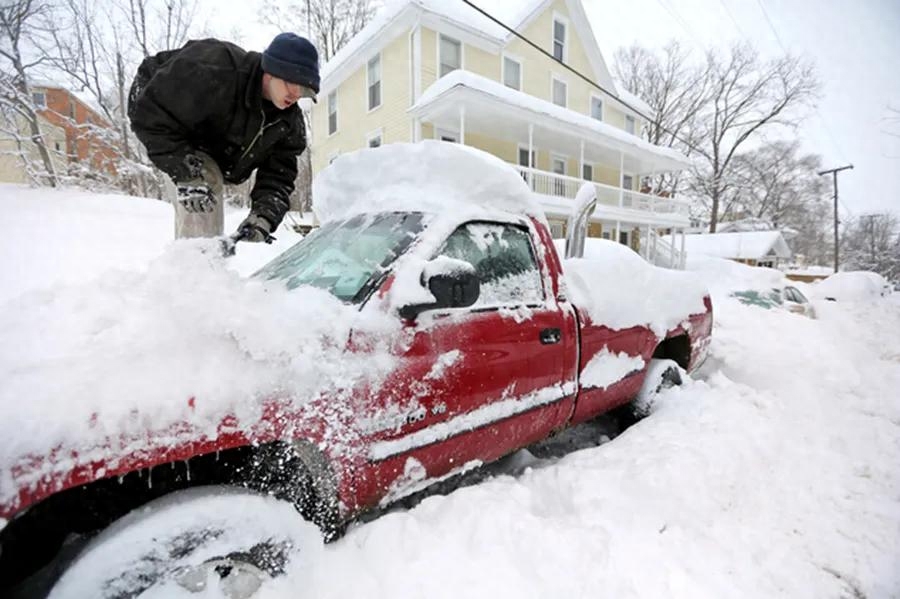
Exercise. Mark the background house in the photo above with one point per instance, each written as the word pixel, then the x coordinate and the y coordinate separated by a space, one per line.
pixel 15 144
pixel 88 134
pixel 755 248
pixel 426 69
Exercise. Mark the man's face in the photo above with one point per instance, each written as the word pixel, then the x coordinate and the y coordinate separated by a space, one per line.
pixel 283 94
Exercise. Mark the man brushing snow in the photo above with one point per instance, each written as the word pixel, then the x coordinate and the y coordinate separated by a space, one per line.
pixel 211 113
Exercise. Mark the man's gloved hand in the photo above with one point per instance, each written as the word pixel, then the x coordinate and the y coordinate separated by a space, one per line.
pixel 196 197
pixel 255 228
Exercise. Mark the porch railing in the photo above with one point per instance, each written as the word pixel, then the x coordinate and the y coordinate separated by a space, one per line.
pixel 552 184
pixel 660 251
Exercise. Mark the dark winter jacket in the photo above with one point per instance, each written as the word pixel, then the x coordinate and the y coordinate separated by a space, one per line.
pixel 207 96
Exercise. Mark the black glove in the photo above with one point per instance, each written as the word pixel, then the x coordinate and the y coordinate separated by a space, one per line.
pixel 255 228
pixel 196 197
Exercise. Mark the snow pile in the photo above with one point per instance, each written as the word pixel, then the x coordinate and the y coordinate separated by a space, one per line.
pixel 620 289
pixel 723 276
pixel 431 176
pixel 606 368
pixel 852 286
pixel 187 341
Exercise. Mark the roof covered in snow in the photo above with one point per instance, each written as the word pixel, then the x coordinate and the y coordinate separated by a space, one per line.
pixel 748 245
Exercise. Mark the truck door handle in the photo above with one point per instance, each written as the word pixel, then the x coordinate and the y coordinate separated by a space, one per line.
pixel 550 336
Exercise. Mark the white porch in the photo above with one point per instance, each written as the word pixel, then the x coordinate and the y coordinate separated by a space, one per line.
pixel 463 105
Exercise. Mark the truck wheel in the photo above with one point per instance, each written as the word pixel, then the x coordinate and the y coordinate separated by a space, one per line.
pixel 220 540
pixel 661 374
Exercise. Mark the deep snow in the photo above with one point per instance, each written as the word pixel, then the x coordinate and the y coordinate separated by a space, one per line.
pixel 772 474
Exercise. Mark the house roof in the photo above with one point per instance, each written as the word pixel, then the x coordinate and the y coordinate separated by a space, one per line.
pixel 748 245
pixel 398 16
pixel 667 158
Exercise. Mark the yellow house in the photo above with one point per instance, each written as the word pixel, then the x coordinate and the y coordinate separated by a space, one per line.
pixel 17 149
pixel 440 69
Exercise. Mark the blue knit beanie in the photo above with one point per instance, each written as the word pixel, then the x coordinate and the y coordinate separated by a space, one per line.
pixel 292 58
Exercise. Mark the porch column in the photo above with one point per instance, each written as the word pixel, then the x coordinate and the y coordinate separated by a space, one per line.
pixel 462 124
pixel 531 156
pixel 621 173
pixel 683 257
pixel 581 167
pixel 417 130
pixel 618 231
pixel 647 250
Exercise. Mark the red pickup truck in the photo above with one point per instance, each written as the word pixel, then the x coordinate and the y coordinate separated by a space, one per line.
pixel 491 352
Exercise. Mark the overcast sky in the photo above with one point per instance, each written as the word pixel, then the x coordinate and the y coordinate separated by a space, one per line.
pixel 855 45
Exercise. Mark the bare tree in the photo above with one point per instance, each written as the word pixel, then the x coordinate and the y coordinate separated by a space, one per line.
pixel 18 28
pixel 330 23
pixel 872 242
pixel 777 184
pixel 748 96
pixel 675 90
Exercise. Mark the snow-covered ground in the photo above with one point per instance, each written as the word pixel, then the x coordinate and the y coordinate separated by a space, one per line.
pixel 774 473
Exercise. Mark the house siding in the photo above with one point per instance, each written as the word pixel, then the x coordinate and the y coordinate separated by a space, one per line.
pixel 355 121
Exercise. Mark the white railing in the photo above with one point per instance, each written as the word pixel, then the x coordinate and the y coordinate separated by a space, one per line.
pixel 660 252
pixel 551 184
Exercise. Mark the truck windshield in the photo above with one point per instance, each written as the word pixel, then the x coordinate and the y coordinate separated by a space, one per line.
pixel 346 257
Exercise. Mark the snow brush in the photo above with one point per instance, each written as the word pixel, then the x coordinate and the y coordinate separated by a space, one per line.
pixel 228 244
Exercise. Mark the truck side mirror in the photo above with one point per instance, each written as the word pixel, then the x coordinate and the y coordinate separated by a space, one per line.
pixel 453 283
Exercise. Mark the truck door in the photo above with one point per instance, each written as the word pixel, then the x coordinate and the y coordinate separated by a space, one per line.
pixel 487 379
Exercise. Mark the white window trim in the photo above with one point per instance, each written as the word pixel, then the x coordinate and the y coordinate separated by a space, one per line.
pixel 373 134
pixel 462 52
pixel 380 81
pixel 553 79
pixel 593 166
pixel 440 132
pixel 337 116
pixel 565 21
pixel 555 156
pixel 534 152
pixel 516 59
pixel 602 106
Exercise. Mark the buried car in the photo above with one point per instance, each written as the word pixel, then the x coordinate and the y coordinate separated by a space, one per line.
pixel 464 337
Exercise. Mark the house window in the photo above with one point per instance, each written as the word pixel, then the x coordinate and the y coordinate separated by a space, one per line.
pixel 559 40
pixel 560 92
pixel 512 73
pixel 72 109
pixel 558 165
pixel 58 146
pixel 332 112
pixel 523 157
pixel 629 124
pixel 374 139
pixel 557 229
pixel 623 237
pixel 450 55
pixel 628 182
pixel 587 172
pixel 596 108
pixel 374 82
pixel 446 135
pixel 39 99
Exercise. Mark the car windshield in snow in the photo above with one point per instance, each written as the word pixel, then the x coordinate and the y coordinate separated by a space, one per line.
pixel 346 257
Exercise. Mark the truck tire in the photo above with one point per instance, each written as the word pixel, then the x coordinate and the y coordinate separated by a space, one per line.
pixel 230 538
pixel 661 374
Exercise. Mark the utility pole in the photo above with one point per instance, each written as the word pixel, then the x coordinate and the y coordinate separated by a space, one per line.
pixel 834 172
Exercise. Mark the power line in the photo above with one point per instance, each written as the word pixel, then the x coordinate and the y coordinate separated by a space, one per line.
pixel 733 20
pixel 784 49
pixel 581 75
pixel 681 21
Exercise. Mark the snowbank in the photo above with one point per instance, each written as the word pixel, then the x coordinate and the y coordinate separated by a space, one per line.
pixel 852 286
pixel 620 289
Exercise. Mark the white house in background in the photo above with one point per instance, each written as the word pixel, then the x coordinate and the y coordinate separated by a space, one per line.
pixel 438 69
pixel 755 248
